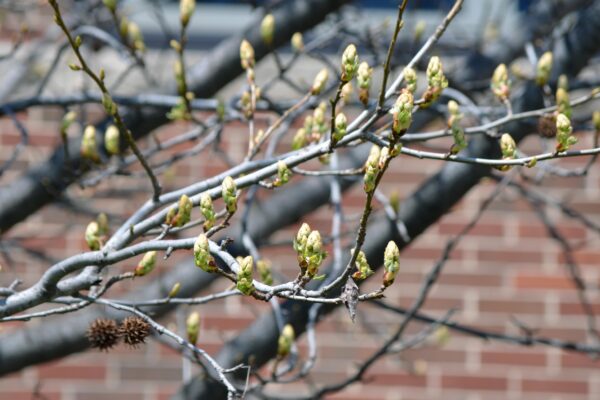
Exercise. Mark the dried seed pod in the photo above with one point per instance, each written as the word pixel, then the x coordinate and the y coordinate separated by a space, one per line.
pixel 134 331
pixel 103 334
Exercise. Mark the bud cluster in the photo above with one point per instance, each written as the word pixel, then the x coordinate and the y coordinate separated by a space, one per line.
pixel 364 78
pixel 202 257
pixel 363 270
pixel 244 276
pixel 229 193
pixel 458 133
pixel 180 215
pixel 208 211
pixel 309 248
pixel 402 112
pixel 500 83
pixel 436 81
pixel 146 264
pixel 391 263
pixel 564 131
pixel 372 168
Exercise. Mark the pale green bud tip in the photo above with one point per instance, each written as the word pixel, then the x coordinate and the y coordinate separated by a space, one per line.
pixel 320 82
pixel 192 326
pixel 453 107
pixel 111 140
pixel 229 194
pixel 314 242
pixel 283 173
pixel 563 123
pixel 508 146
pixel 92 236
pixel 186 9
pixel 410 76
pixel 88 144
pixel 110 4
pixel 364 75
pixel 500 83
pixel 146 265
pixel 303 232
pixel 420 28
pixel 286 340
pixel 297 42
pixel 349 63
pixel 244 275
pixel 267 29
pixel 402 111
pixel 374 155
pixel 544 67
pixel 340 127
pixel 174 290
pixel 434 67
pixel 596 120
pixel 246 54
pixel 391 263
pixel 68 119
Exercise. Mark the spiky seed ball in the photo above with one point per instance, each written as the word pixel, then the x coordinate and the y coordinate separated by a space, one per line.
pixel 134 331
pixel 103 334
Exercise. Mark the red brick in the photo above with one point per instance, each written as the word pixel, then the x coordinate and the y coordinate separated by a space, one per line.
pixel 474 382
pixel 78 371
pixel 528 281
pixel 554 386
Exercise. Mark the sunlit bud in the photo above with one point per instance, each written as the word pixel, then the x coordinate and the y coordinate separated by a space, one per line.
pixel 174 290
pixel 563 133
pixel 78 41
pixel 364 75
pixel 283 174
pixel 136 36
pixel 297 42
pixel 543 69
pixel 102 74
pixel 500 83
pixel 208 211
pixel 68 120
pixel 202 257
pixel 267 29
pixel 175 45
pixel 508 146
pixel 419 29
pixel 109 105
pixel 264 269
pixel 596 120
pixel 402 112
pixel 442 336
pixel 453 108
pixel 111 140
pixel 301 238
pixel 391 263
pixel 349 63
pixel 563 82
pixel 458 134
pixel 299 140
pixel 320 82
pixel 436 81
pixel 74 67
pixel 92 236
pixel 229 193
pixel 182 215
pixel 246 54
pixel 88 148
pixel 410 77
pixel 146 264
pixel 192 327
pixel 371 169
pixel 285 341
pixel 244 276
pixel 340 127
pixel 363 270
pixel 346 93
pixel 563 103
pixel 186 10
pixel 395 201
pixel 110 4
pixel 313 253
pixel 124 27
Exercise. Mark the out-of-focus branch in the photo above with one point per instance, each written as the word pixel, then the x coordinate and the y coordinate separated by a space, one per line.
pixel 44 183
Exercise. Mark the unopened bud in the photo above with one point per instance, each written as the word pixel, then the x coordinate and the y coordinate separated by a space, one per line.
pixel 146 265
pixel 264 269
pixel 320 82
pixel 563 102
pixel 340 127
pixel 88 148
pixel 500 83
pixel 208 211
pixel 111 140
pixel 229 193
pixel 436 81
pixel 246 54
pixel 283 174
pixel 564 132
pixel 508 146
pixel 297 42
pixel 391 263
pixel 596 120
pixel 349 63
pixel 110 4
pixel 68 120
pixel 92 236
pixel 363 270
pixel 136 36
pixel 301 238
pixel 244 276
pixel 563 82
pixel 299 140
pixel 410 77
pixel 174 290
pixel 186 10
pixel 182 215
pixel 109 105
pixel 192 327
pixel 402 112
pixel 202 257
pixel 285 341
pixel 267 29
pixel 543 69
pixel 419 29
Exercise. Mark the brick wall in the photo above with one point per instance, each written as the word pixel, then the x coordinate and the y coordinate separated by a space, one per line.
pixel 505 268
